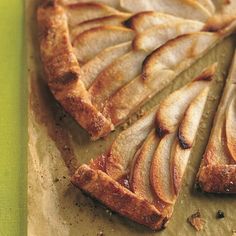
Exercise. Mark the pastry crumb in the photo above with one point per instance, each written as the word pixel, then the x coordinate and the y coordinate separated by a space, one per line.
pixel 220 214
pixel 196 221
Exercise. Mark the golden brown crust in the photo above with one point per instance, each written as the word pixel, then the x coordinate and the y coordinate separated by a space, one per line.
pixel 62 70
pixel 99 185
pixel 218 178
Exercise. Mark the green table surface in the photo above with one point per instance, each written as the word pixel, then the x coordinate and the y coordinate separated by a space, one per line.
pixel 13 119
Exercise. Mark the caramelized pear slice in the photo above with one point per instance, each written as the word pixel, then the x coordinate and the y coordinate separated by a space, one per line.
pixel 144 20
pixel 155 37
pixel 178 54
pixel 190 122
pixel 120 72
pixel 91 42
pixel 160 176
pixel 172 109
pixel 231 127
pixel 185 9
pixel 79 12
pixel 92 68
pixel 113 20
pixel 140 180
pixel 187 132
pixel 126 145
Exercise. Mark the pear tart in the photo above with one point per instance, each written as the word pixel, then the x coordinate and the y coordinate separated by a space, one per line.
pixel 218 168
pixel 97 54
pixel 140 176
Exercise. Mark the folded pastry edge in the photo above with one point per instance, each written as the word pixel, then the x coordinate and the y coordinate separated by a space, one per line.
pixel 99 185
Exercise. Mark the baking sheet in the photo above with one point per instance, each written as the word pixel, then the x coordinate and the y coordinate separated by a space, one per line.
pixel 57 145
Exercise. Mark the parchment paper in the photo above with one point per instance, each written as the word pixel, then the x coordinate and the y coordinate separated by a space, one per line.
pixel 57 144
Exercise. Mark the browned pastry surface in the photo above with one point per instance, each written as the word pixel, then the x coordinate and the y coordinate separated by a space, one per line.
pixel 118 198
pixel 63 71
pixel 218 178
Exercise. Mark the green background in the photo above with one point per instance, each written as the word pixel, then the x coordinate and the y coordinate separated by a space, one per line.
pixel 13 129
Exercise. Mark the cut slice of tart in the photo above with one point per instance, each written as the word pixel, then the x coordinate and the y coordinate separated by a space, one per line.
pixel 141 175
pixel 218 168
pixel 96 56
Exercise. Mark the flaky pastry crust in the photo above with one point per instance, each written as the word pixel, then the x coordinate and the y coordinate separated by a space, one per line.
pixel 63 71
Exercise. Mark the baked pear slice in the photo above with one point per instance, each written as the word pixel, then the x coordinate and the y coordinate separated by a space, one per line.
pixel 140 183
pixel 144 20
pixel 80 12
pixel 160 172
pixel 185 9
pixel 172 109
pixel 91 42
pixel 120 155
pixel 187 131
pixel 218 167
pixel 155 37
pixel 91 69
pixel 159 69
pixel 112 20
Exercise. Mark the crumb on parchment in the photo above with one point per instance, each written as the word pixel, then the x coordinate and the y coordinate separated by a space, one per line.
pixel 196 221
pixel 220 214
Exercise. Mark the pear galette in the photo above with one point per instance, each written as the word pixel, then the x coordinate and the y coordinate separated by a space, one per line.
pixel 103 62
pixel 105 59
pixel 218 168
pixel 141 174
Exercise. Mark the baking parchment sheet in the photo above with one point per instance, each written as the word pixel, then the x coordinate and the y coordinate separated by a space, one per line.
pixel 57 145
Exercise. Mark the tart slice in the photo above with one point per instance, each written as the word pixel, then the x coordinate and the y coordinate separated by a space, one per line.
pixel 218 168
pixel 140 176
pixel 96 56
